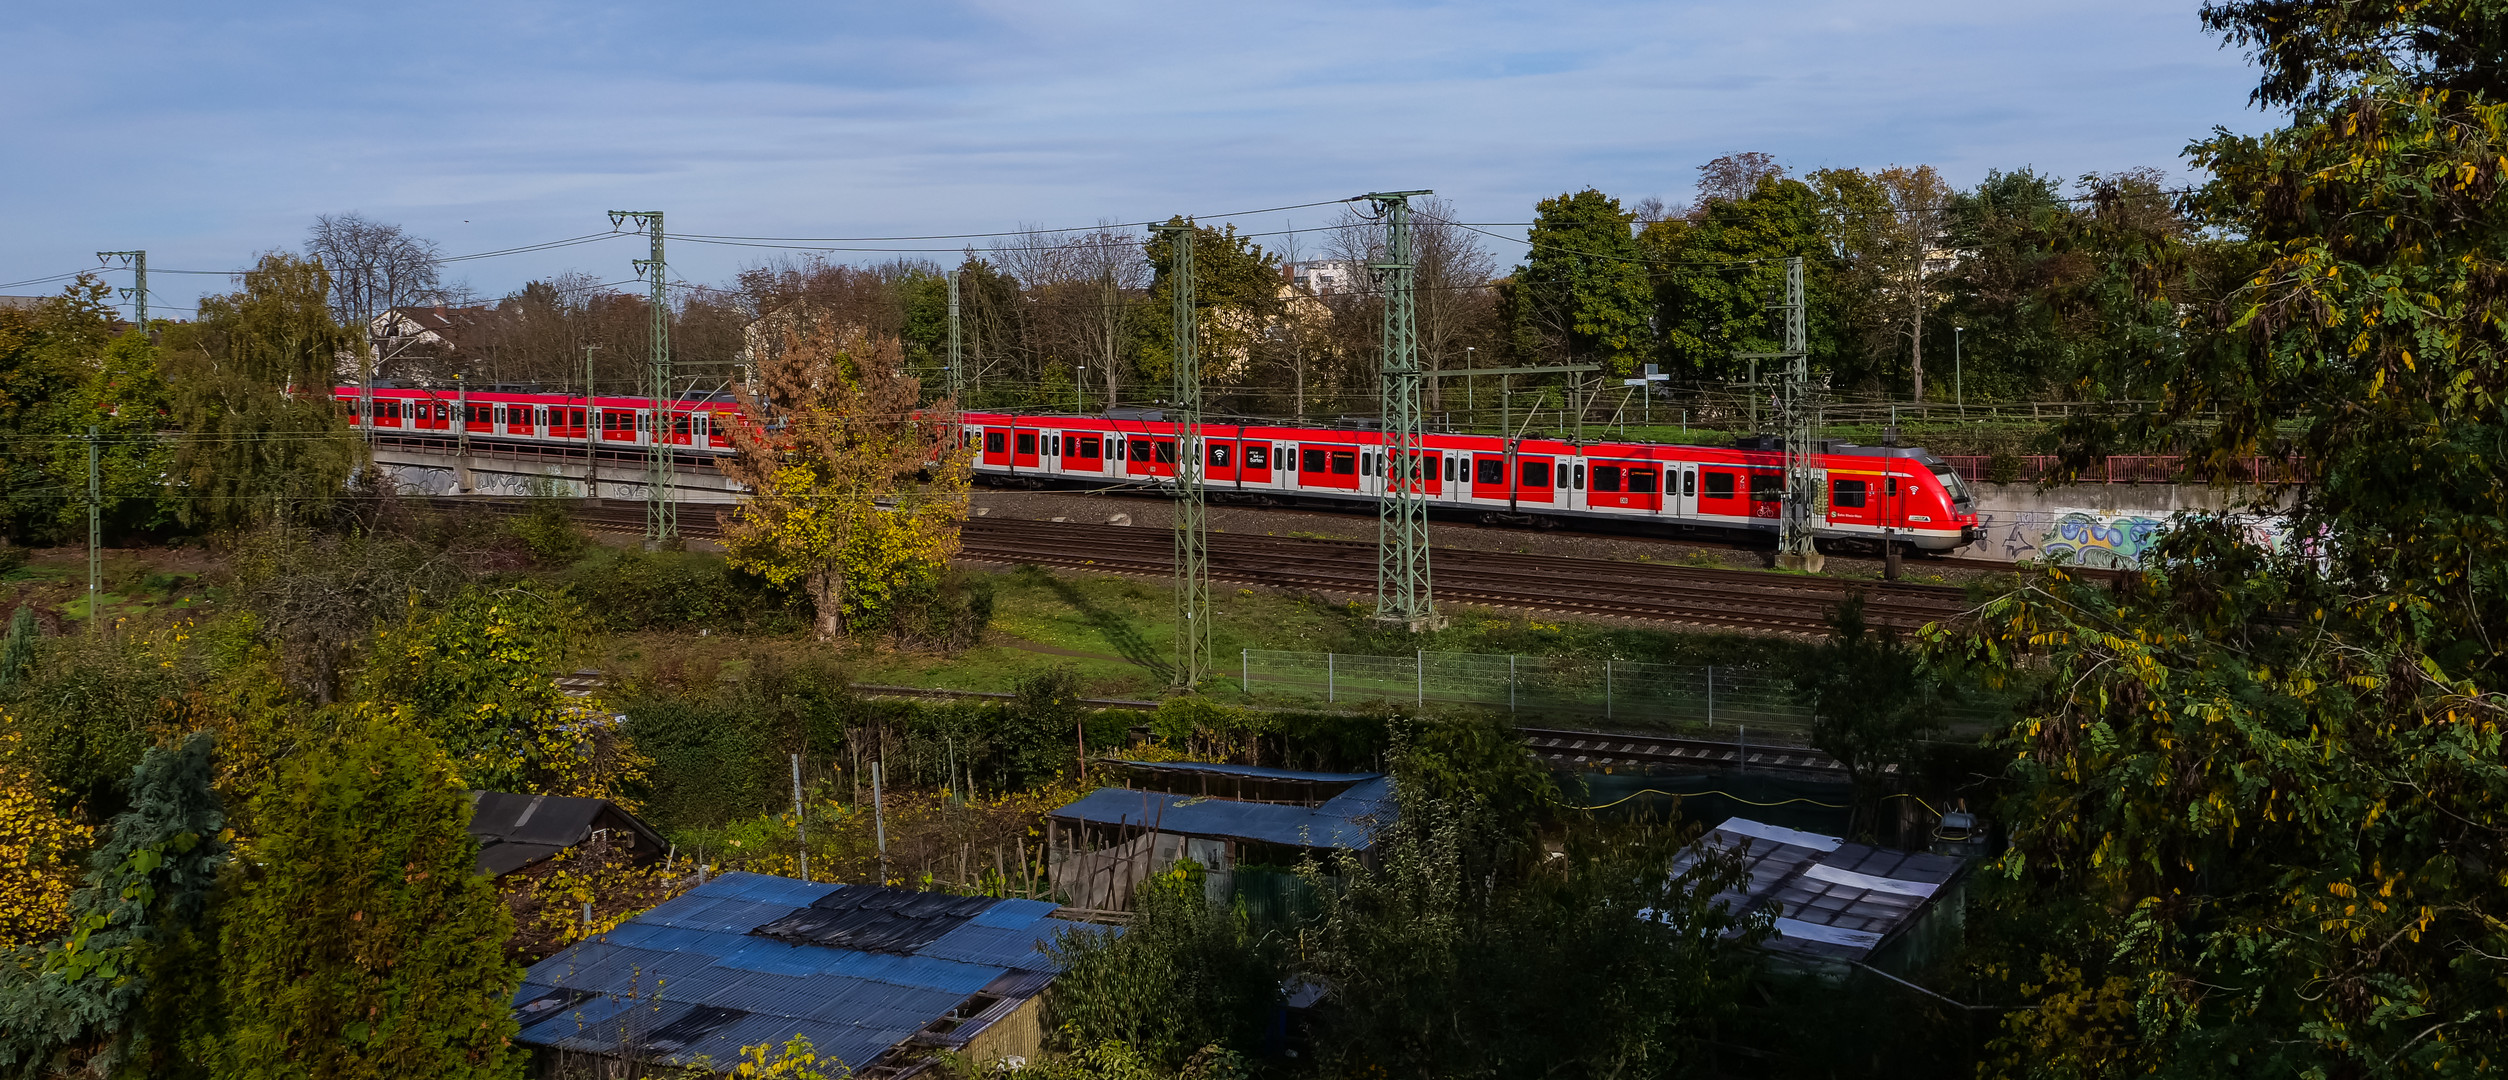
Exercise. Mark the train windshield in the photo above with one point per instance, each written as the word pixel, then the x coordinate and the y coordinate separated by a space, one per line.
pixel 1952 483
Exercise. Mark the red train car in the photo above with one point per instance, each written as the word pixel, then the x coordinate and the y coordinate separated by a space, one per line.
pixel 1866 493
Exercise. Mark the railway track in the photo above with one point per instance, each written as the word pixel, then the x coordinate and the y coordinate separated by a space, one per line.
pixel 1698 597
pixel 1734 599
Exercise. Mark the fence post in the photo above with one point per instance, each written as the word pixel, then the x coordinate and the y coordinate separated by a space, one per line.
pixel 1419 678
pixel 1245 670
pixel 1606 689
pixel 1329 696
pixel 1510 683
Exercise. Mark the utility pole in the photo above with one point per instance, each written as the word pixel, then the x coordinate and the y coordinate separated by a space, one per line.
pixel 661 517
pixel 954 385
pixel 1403 595
pixel 137 294
pixel 95 537
pixel 1191 530
pixel 591 432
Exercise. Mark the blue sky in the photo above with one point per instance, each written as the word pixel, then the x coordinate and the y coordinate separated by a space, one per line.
pixel 206 133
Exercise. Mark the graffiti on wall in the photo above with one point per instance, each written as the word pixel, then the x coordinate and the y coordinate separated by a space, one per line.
pixel 2096 538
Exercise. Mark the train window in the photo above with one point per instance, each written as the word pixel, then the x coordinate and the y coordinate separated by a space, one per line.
pixel 1893 488
pixel 1088 448
pixel 1140 450
pixel 1689 482
pixel 1580 478
pixel 1489 470
pixel 1846 493
pixel 1449 470
pixel 1767 487
pixel 1536 474
pixel 1719 486
pixel 1053 445
pixel 1219 455
pixel 574 418
pixel 995 442
pixel 1563 476
pixel 681 425
pixel 1027 443
pixel 479 414
pixel 1606 478
pixel 1257 456
pixel 1641 481
pixel 1166 451
pixel 1312 461
pixel 1345 463
pixel 1367 464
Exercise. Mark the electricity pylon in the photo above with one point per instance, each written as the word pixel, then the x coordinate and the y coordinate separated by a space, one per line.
pixel 137 294
pixel 1799 413
pixel 1403 595
pixel 1191 529
pixel 661 515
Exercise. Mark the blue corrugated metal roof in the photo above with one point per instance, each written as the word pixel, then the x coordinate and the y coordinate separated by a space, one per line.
pixel 1254 772
pixel 1012 914
pixel 1349 820
pixel 696 951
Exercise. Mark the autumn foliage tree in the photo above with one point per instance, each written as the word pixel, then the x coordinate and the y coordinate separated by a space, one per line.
pixel 857 489
pixel 2266 786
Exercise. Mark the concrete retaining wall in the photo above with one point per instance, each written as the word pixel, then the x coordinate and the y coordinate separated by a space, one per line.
pixel 2109 525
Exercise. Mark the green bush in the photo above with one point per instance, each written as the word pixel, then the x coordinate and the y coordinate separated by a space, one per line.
pixel 625 590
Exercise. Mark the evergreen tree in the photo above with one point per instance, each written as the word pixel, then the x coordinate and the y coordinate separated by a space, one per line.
pixel 1236 291
pixel 361 942
pixel 148 888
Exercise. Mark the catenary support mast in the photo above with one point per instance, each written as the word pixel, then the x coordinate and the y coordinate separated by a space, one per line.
pixel 1191 529
pixel 1403 594
pixel 661 517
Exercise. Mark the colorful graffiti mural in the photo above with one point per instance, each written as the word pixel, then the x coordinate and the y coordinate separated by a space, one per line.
pixel 2096 538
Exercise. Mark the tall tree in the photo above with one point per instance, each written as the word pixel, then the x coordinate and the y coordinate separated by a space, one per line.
pixel 2273 778
pixel 361 942
pixel 1581 293
pixel 857 489
pixel 1912 256
pixel 1236 292
pixel 252 382
pixel 1721 280
pixel 375 266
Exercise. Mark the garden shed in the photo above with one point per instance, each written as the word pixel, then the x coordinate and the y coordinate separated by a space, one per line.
pixel 872 976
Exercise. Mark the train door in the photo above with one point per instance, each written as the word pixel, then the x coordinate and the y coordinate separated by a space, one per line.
pixel 1680 487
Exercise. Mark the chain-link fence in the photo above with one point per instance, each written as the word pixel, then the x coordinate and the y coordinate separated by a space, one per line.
pixel 1544 689
pixel 1716 702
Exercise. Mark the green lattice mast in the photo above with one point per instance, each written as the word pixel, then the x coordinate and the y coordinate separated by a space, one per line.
pixel 1403 595
pixel 1191 529
pixel 661 516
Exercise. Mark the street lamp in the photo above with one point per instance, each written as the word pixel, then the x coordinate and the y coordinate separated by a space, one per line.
pixel 1080 388
pixel 1468 408
pixel 1957 387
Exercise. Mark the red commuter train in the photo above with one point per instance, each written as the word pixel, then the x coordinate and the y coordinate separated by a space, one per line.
pixel 1869 493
